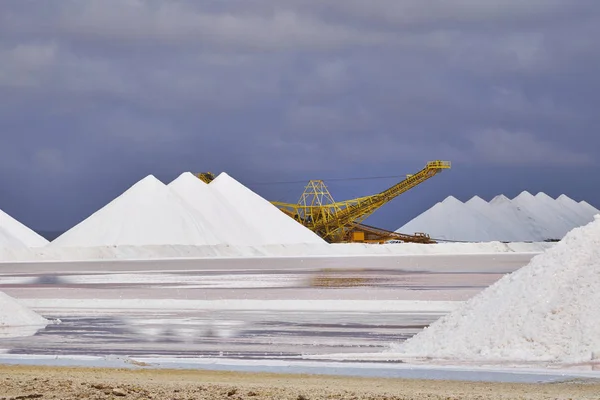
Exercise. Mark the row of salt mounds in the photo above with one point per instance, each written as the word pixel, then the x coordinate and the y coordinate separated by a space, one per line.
pixel 148 213
pixel 18 320
pixel 545 311
pixel 274 227
pixel 525 218
pixel 22 233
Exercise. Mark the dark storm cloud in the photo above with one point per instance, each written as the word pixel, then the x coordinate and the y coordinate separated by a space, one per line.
pixel 96 94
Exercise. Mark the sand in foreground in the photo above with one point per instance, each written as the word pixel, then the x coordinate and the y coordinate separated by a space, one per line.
pixel 26 382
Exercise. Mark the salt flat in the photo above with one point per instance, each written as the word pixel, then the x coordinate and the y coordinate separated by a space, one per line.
pixel 254 309
pixel 253 314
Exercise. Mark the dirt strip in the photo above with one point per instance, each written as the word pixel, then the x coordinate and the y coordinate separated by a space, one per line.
pixel 32 382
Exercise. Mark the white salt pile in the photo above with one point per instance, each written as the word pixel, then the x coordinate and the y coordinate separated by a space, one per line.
pixel 16 319
pixel 232 228
pixel 503 225
pixel 21 232
pixel 452 218
pixel 553 226
pixel 526 218
pixel 273 226
pixel 588 208
pixel 9 241
pixel 546 311
pixel 148 213
pixel 579 212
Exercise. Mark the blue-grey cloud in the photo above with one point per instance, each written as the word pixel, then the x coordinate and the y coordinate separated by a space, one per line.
pixel 96 94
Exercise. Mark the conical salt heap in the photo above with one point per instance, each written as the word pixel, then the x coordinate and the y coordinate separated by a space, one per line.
pixel 274 226
pixel 21 232
pixel 545 311
pixel 148 213
pixel 232 228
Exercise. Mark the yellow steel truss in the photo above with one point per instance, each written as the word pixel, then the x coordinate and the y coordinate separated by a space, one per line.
pixel 206 177
pixel 334 221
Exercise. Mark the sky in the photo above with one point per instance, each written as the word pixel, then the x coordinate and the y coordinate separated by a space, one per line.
pixel 97 94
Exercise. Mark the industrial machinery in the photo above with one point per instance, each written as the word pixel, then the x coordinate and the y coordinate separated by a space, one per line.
pixel 206 177
pixel 342 221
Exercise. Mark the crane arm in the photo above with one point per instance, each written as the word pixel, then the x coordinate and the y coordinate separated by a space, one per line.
pixel 359 209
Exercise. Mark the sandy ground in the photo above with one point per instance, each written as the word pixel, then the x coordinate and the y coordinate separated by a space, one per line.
pixel 26 382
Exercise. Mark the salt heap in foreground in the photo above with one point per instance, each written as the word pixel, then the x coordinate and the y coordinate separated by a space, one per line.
pixel 18 320
pixel 273 225
pixel 21 232
pixel 233 229
pixel 545 311
pixel 148 213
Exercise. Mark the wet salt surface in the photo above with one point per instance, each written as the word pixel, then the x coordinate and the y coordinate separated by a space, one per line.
pixel 243 335
pixel 132 323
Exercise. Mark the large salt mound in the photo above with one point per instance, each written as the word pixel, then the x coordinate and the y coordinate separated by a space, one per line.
pixel 10 246
pixel 232 226
pixel 148 213
pixel 545 311
pixel 17 320
pixel 24 234
pixel 273 225
pixel 9 241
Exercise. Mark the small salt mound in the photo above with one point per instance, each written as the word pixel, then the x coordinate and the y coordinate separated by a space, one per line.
pixel 26 235
pixel 233 229
pixel 545 311
pixel 273 225
pixel 148 213
pixel 17 320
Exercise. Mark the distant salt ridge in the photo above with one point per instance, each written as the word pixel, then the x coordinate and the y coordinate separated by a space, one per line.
pixel 576 209
pixel 589 208
pixel 526 218
pixel 231 226
pixel 503 226
pixel 545 311
pixel 273 226
pixel 21 232
pixel 553 226
pixel 451 219
pixel 148 213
